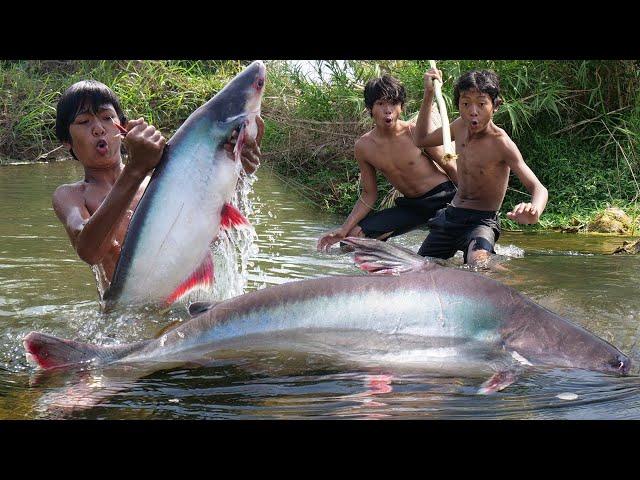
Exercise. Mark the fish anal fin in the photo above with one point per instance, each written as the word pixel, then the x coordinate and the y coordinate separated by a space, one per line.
pixel 231 217
pixel 498 381
pixel 202 277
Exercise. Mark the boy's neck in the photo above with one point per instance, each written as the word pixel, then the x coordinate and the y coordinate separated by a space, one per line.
pixel 481 133
pixel 385 131
pixel 103 175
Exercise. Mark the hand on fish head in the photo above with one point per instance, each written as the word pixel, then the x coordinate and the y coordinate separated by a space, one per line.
pixel 250 153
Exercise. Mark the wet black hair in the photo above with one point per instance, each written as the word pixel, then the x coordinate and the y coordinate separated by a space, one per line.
pixel 385 87
pixel 485 81
pixel 90 92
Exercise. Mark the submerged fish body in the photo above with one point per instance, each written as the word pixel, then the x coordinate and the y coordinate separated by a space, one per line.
pixel 166 249
pixel 441 303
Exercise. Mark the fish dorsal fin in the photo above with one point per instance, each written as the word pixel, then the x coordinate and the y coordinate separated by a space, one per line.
pixel 382 258
pixel 196 308
pixel 202 277
pixel 231 217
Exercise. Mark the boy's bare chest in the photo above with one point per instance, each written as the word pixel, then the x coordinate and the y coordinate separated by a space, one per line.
pixel 96 195
pixel 399 153
pixel 477 157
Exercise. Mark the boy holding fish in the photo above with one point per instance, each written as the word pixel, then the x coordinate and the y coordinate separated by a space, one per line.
pixel 485 157
pixel 96 211
pixel 389 148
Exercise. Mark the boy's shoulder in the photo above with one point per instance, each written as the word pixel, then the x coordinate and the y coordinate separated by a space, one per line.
pixel 69 190
pixel 501 137
pixel 365 140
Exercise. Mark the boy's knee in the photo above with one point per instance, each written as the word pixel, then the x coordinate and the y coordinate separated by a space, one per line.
pixel 479 251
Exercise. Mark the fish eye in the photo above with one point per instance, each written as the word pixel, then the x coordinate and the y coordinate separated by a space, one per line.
pixel 260 83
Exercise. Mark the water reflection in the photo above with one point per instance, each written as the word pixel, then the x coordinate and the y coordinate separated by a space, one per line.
pixel 43 286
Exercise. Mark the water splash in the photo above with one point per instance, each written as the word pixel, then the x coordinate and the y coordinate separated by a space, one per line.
pixel 232 250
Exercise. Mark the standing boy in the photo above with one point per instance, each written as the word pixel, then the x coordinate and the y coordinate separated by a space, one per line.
pixel 390 149
pixel 486 156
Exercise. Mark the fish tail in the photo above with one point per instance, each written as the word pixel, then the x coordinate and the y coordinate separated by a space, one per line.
pixel 47 351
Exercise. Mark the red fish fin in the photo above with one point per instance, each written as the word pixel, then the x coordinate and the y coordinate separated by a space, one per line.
pixel 201 278
pixel 498 381
pixel 47 351
pixel 231 217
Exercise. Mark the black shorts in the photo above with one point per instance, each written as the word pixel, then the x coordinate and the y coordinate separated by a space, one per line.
pixel 409 213
pixel 454 228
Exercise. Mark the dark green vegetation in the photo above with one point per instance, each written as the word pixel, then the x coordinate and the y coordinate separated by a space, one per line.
pixel 576 123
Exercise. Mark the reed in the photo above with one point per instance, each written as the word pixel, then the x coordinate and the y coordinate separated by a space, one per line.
pixel 577 123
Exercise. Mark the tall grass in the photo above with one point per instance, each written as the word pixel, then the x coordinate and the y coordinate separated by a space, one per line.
pixel 164 92
pixel 577 123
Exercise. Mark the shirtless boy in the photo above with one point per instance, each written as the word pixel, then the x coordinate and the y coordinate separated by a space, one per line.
pixel 96 211
pixel 486 156
pixel 390 149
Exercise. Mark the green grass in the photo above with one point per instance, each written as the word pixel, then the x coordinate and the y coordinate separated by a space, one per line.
pixel 577 123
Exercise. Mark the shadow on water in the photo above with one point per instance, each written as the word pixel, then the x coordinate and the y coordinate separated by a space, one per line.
pixel 43 286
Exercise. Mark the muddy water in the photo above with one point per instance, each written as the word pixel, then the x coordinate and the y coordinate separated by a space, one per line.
pixel 43 286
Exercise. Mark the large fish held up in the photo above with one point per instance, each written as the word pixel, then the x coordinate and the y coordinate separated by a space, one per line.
pixel 451 319
pixel 166 252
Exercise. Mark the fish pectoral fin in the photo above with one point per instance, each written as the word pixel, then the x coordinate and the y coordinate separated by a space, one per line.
pixel 499 381
pixel 231 217
pixel 202 277
pixel 196 308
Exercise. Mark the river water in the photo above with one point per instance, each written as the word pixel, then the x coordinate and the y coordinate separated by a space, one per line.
pixel 45 287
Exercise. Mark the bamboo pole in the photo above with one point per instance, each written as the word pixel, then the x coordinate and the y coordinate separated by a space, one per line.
pixel 449 150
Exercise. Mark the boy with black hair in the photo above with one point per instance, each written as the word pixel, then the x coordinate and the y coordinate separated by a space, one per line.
pixel 486 156
pixel 390 149
pixel 96 210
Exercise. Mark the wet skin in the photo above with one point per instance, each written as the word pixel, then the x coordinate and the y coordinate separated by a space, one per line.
pixel 486 156
pixel 96 211
pixel 389 149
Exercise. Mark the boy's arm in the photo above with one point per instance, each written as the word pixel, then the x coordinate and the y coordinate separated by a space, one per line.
pixel 92 235
pixel 525 212
pixel 425 135
pixel 436 154
pixel 363 205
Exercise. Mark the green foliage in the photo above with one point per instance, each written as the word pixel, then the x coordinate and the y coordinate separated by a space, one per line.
pixel 577 123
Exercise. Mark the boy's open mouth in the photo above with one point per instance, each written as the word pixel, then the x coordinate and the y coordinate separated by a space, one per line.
pixel 475 123
pixel 102 147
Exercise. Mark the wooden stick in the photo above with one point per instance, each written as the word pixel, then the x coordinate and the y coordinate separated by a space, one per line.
pixel 449 150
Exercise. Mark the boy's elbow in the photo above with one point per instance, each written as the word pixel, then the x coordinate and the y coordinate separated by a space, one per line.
pixel 88 256
pixel 420 142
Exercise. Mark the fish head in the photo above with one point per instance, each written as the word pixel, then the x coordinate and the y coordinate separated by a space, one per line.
pixel 621 364
pixel 236 106
pixel 603 357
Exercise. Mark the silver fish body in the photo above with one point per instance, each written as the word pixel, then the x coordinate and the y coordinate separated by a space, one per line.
pixel 180 212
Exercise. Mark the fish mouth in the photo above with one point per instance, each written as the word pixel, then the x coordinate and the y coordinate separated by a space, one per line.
pixel 624 366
